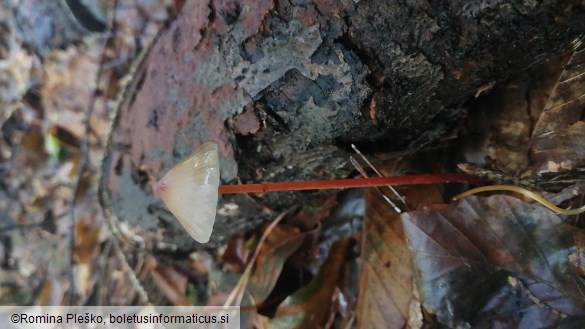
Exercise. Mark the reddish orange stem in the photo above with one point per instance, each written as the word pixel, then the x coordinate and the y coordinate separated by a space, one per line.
pixel 348 183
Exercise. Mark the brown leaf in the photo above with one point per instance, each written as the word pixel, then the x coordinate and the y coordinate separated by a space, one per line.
pixel 86 249
pixel 87 239
pixel 501 124
pixel 236 253
pixel 279 245
pixel 310 307
pixel 52 293
pixel 387 292
pixel 32 141
pixel 469 254
pixel 559 132
pixel 172 283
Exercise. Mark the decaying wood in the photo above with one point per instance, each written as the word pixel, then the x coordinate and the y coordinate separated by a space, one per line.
pixel 284 87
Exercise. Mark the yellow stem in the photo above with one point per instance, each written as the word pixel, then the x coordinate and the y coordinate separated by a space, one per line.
pixel 534 196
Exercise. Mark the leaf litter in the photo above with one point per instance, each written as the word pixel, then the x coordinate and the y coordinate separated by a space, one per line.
pixel 497 261
pixel 59 256
pixel 388 294
pixel 483 262
pixel 311 306
pixel 465 253
pixel 519 275
pixel 559 133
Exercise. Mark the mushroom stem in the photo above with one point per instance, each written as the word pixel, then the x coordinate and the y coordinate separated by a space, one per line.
pixel 348 183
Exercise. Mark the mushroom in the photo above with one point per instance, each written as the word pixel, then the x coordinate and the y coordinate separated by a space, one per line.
pixel 190 189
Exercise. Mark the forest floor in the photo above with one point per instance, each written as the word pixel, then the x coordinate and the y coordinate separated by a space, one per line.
pixel 345 256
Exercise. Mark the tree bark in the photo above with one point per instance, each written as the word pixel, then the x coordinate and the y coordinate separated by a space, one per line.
pixel 284 87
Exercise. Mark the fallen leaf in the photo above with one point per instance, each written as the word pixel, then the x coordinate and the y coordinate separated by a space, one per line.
pixel 236 254
pixel 87 239
pixel 172 283
pixel 311 306
pixel 559 132
pixel 279 245
pixel 86 249
pixel 237 293
pixel 387 294
pixel 468 254
pixel 32 140
pixel 51 293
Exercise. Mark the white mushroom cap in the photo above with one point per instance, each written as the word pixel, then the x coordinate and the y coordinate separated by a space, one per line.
pixel 190 192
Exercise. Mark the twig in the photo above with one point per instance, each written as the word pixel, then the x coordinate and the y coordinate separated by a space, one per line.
pixel 379 175
pixel 384 196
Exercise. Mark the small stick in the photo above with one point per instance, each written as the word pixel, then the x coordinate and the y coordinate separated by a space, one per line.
pixel 377 173
pixel 363 172
pixel 348 183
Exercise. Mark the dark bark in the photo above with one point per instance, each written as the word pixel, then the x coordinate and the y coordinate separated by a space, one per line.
pixel 284 87
pixel 429 57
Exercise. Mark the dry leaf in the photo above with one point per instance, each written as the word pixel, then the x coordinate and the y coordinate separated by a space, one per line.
pixel 311 306
pixel 87 239
pixel 235 255
pixel 279 245
pixel 387 296
pixel 469 253
pixel 52 293
pixel 559 133
pixel 172 283
pixel 86 249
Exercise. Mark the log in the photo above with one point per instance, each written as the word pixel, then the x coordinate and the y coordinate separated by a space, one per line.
pixel 284 87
